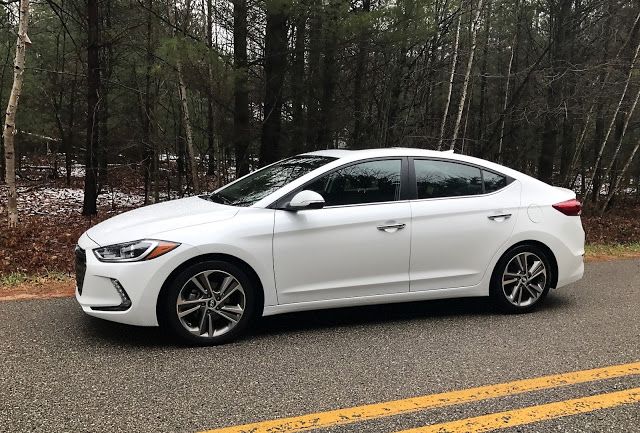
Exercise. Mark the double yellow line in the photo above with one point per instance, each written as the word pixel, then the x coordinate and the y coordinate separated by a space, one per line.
pixel 478 424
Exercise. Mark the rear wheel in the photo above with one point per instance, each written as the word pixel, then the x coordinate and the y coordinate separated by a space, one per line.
pixel 208 303
pixel 521 279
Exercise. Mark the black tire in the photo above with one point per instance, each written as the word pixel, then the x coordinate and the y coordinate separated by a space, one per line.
pixel 168 309
pixel 496 291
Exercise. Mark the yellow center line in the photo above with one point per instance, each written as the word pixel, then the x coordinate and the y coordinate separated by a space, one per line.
pixel 527 415
pixel 397 407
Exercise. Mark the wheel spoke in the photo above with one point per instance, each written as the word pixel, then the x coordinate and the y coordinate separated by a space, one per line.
pixel 197 283
pixel 226 284
pixel 522 265
pixel 203 321
pixel 514 292
pixel 226 316
pixel 532 294
pixel 513 280
pixel 182 302
pixel 235 309
pixel 211 329
pixel 520 296
pixel 229 293
pixel 189 311
pixel 207 283
pixel 536 275
pixel 536 265
pixel 536 288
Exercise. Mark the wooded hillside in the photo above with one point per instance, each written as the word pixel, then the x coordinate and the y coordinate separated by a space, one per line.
pixel 179 97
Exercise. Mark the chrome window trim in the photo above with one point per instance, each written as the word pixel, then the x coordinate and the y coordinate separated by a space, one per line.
pixel 413 183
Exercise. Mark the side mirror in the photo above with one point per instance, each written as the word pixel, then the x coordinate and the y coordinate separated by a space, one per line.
pixel 305 200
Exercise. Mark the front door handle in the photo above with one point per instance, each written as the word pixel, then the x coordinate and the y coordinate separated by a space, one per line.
pixel 499 218
pixel 391 228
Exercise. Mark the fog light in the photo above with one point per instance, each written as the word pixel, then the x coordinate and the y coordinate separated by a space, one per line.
pixel 125 302
pixel 124 298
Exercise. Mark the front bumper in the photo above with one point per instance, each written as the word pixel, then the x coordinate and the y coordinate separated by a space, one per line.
pixel 140 281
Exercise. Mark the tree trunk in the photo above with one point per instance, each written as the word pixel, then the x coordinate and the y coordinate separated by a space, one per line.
pixel 10 117
pixel 297 84
pixel 361 67
pixel 211 151
pixel 188 133
pixel 241 91
pixel 89 206
pixel 69 144
pixel 612 123
pixel 620 137
pixel 4 65
pixel 325 128
pixel 613 191
pixel 560 31
pixel 147 148
pixel 452 76
pixel 463 97
pixel 275 65
pixel 506 98
pixel 315 76
pixel 479 147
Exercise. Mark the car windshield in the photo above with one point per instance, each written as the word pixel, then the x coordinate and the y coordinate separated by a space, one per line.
pixel 263 182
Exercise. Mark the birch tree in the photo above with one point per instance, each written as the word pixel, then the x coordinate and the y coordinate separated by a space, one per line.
pixel 613 121
pixel 184 106
pixel 452 75
pixel 10 130
pixel 465 85
pixel 506 96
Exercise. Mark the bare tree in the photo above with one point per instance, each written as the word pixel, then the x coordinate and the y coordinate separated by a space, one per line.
pixel 506 97
pixel 465 85
pixel 89 204
pixel 10 117
pixel 184 104
pixel 452 75
pixel 614 116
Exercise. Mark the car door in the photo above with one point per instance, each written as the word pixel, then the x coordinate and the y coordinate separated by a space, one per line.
pixel 461 216
pixel 357 245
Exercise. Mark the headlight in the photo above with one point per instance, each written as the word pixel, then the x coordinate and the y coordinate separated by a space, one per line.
pixel 134 251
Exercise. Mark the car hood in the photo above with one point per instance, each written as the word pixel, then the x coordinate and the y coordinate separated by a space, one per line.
pixel 146 221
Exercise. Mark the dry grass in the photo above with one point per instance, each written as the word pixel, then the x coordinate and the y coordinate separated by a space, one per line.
pixel 599 252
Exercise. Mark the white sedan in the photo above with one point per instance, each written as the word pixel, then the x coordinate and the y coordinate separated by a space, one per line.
pixel 330 229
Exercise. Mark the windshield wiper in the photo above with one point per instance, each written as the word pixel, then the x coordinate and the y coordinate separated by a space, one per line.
pixel 216 198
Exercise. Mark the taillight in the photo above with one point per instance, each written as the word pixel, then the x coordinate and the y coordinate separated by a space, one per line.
pixel 569 207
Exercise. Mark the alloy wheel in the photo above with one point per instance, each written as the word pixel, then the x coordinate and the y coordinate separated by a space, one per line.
pixel 211 303
pixel 524 279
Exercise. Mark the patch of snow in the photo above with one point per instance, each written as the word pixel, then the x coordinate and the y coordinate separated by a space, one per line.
pixel 62 201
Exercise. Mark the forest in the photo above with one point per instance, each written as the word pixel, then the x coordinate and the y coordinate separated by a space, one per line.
pixel 168 98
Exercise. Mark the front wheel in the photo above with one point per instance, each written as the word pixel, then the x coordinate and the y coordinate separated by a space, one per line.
pixel 208 303
pixel 521 279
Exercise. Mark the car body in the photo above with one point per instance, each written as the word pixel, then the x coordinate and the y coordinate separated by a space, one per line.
pixel 430 225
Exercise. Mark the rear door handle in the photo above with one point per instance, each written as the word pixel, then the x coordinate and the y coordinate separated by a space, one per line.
pixel 501 217
pixel 390 228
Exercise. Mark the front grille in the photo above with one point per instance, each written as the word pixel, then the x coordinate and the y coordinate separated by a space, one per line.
pixel 81 267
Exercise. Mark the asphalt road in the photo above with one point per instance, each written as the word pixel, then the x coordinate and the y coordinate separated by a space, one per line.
pixel 62 371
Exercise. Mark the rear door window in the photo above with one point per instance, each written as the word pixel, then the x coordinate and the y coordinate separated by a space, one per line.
pixel 435 179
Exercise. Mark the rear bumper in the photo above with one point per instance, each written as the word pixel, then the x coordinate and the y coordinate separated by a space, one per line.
pixel 570 271
pixel 570 255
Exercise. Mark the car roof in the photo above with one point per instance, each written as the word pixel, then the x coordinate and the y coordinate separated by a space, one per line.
pixel 344 155
pixel 373 153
